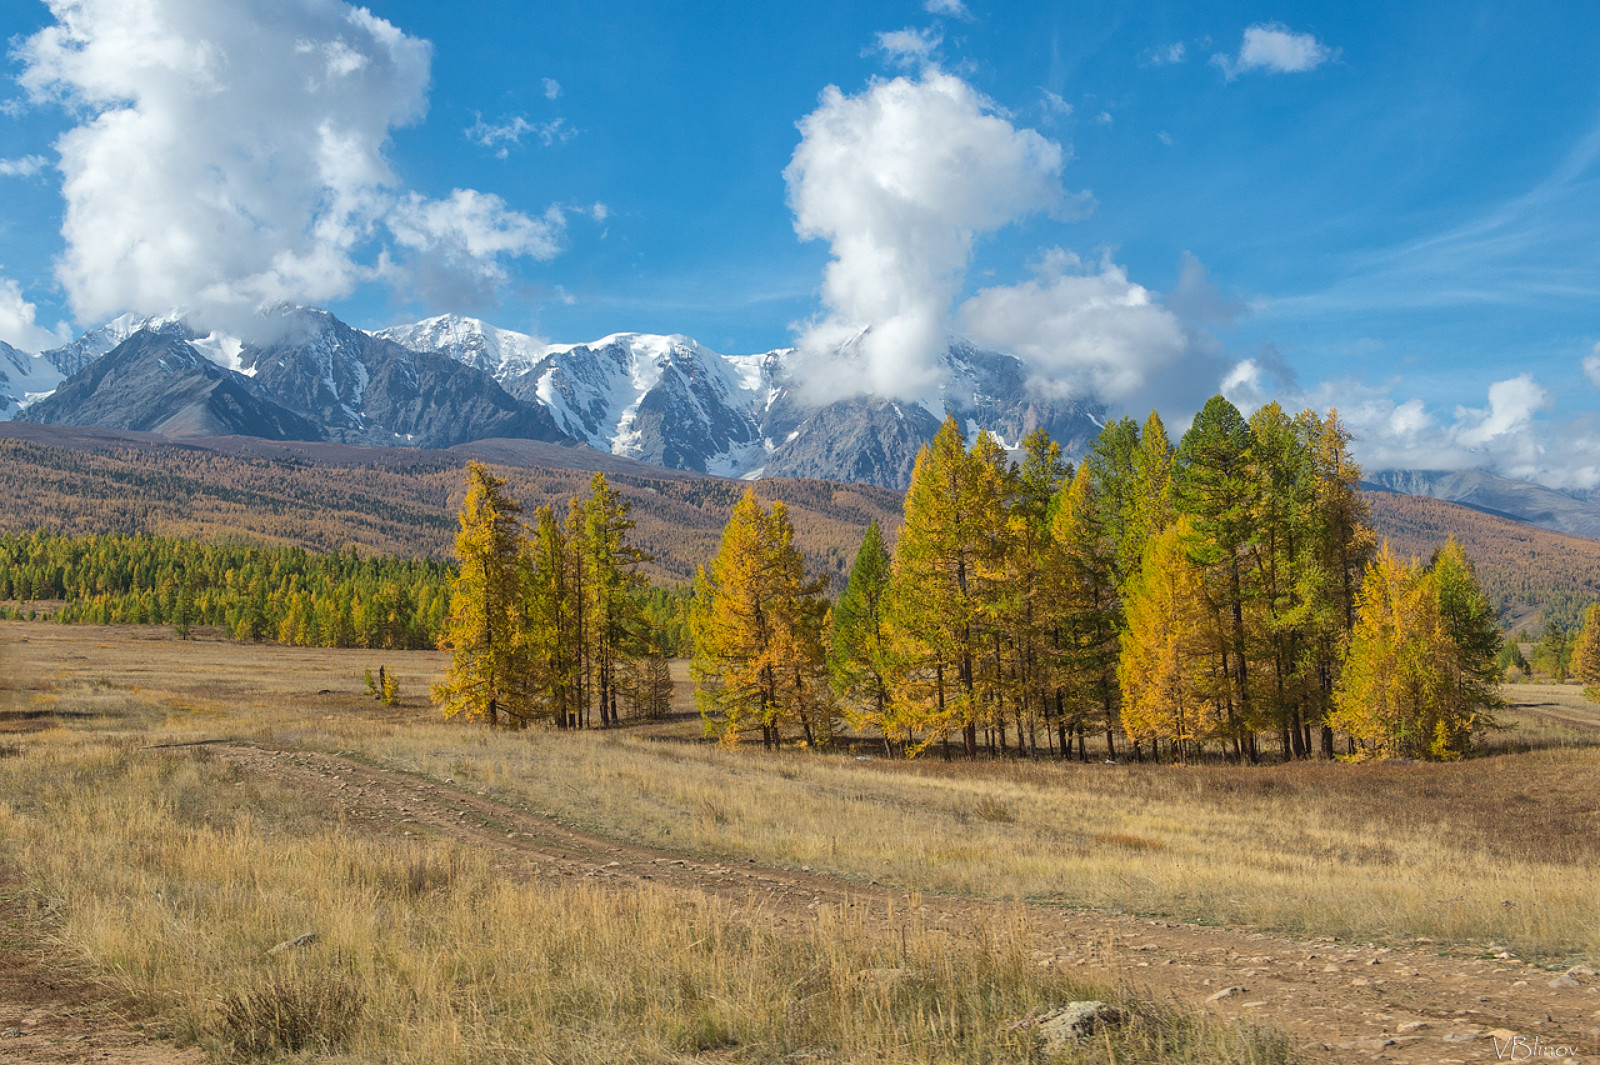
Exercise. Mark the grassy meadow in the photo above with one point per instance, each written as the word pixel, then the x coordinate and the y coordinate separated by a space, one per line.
pixel 172 875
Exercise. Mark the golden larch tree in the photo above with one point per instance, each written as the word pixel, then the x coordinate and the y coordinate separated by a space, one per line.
pixel 757 628
pixel 1586 655
pixel 1170 648
pixel 484 631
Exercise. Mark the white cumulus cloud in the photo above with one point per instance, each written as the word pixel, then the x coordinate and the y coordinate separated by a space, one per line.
pixel 1507 434
pixel 19 322
pixel 900 180
pixel 1082 328
pixel 1591 366
pixel 552 88
pixel 1512 405
pixel 1274 48
pixel 232 153
pixel 953 8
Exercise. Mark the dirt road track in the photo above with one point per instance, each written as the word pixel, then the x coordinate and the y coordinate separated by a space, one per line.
pixel 1360 1003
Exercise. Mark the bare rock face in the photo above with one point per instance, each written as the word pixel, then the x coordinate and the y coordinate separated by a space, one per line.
pixel 158 382
pixel 873 441
pixel 367 390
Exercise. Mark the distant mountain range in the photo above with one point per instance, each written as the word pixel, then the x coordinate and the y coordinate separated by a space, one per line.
pixel 664 400
pixel 1568 511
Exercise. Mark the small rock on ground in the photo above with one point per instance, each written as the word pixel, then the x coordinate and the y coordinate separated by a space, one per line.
pixel 1060 1028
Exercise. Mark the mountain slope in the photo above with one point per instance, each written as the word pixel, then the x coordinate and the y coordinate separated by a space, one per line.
pixel 1532 573
pixel 399 500
pixel 673 402
pixel 367 390
pixel 158 382
pixel 1550 508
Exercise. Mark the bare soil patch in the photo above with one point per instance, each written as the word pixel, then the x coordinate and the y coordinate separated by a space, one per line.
pixel 51 1012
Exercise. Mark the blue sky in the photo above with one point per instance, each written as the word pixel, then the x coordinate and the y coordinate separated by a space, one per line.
pixel 1393 207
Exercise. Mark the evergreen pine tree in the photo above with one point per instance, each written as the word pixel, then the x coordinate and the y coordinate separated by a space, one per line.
pixel 858 651
pixel 1213 485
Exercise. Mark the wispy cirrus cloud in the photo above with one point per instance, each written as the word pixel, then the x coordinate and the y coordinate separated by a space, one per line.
pixel 24 167
pixel 500 137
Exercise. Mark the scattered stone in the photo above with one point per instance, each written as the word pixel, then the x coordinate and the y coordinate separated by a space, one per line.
pixel 301 940
pixel 1367 1044
pixel 1412 1026
pixel 1227 992
pixel 1580 970
pixel 1564 982
pixel 1360 981
pixel 1060 1028
pixel 11 1033
pixel 1502 1034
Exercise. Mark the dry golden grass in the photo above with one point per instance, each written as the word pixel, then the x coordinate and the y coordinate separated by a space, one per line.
pixel 174 876
pixel 1501 850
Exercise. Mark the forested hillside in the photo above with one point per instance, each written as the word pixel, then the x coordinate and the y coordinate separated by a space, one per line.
pixel 404 503
pixel 397 502
pixel 1532 573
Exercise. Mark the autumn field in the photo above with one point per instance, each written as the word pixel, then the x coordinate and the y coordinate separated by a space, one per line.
pixel 168 871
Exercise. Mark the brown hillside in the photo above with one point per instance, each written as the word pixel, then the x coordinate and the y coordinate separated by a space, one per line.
pixel 403 501
pixel 1531 572
pixel 392 500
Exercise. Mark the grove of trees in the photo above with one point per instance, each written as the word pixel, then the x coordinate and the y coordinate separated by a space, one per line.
pixel 1221 594
pixel 545 623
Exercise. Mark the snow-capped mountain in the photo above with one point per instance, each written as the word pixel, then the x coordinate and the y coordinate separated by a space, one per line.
pixel 312 377
pixel 157 381
pixel 671 401
pixel 661 399
pixel 497 352
pixel 24 379
pixel 70 358
pixel 666 400
pixel 368 390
